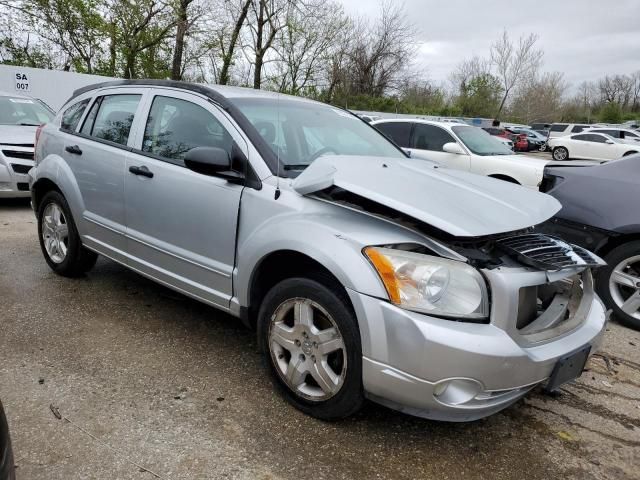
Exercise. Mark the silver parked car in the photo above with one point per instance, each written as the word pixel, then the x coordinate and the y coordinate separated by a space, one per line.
pixel 364 272
pixel 19 117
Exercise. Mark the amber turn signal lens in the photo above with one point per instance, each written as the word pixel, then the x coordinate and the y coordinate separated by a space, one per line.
pixel 386 272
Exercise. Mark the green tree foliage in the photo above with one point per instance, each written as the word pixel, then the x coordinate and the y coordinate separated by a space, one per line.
pixel 611 113
pixel 480 96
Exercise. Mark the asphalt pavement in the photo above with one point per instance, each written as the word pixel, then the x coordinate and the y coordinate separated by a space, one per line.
pixel 111 376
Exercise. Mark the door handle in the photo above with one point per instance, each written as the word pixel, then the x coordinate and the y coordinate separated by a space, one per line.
pixel 142 170
pixel 75 149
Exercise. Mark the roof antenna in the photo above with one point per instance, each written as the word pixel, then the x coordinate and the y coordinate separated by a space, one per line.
pixel 277 193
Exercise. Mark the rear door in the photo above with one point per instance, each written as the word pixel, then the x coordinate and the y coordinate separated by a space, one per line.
pixel 398 132
pixel 181 225
pixel 427 142
pixel 97 153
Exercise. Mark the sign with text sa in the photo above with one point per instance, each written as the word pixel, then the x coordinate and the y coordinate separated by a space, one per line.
pixel 22 82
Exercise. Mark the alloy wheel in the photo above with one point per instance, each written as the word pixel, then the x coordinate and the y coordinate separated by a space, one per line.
pixel 307 349
pixel 624 286
pixel 55 233
pixel 560 153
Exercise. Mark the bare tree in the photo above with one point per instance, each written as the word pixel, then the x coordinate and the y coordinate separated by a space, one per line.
pixel 181 8
pixel 304 44
pixel 514 63
pixel 227 43
pixel 268 17
pixel 381 52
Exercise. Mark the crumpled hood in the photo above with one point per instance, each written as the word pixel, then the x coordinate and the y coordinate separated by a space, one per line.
pixel 17 134
pixel 459 203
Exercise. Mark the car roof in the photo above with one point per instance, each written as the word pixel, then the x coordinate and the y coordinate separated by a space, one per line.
pixel 623 129
pixel 215 92
pixel 420 120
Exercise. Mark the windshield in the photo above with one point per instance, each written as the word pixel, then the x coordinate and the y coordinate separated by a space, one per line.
pixel 480 142
pixel 299 132
pixel 23 111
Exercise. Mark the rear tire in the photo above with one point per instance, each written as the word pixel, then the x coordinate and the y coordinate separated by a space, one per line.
pixel 560 154
pixel 59 239
pixel 619 282
pixel 299 321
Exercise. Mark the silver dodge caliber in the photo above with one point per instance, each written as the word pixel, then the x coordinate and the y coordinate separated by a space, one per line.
pixel 366 274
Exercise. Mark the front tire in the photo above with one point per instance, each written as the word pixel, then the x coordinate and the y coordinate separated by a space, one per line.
pixel 618 284
pixel 310 338
pixel 59 239
pixel 560 154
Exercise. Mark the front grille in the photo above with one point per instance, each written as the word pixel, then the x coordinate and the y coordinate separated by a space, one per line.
pixel 22 155
pixel 22 169
pixel 29 145
pixel 547 253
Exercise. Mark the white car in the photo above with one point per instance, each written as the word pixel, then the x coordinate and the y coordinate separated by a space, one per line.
pixel 463 147
pixel 563 129
pixel 19 117
pixel 627 135
pixel 590 146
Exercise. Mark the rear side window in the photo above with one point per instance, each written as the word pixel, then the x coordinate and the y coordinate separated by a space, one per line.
pixel 398 132
pixel 175 126
pixel 577 128
pixel 72 115
pixel 561 127
pixel 111 117
pixel 429 137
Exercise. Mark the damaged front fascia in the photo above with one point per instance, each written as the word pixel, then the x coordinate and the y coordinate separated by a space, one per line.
pixel 477 251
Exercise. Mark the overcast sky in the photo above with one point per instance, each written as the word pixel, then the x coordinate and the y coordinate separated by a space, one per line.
pixel 584 39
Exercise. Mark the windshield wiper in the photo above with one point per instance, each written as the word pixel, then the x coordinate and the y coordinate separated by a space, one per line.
pixel 296 166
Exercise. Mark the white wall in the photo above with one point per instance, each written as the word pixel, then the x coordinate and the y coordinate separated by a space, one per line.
pixel 53 87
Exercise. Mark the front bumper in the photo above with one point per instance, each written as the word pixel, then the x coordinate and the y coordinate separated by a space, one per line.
pixel 408 356
pixel 14 180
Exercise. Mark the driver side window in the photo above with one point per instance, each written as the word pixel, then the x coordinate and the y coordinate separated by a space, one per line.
pixel 175 126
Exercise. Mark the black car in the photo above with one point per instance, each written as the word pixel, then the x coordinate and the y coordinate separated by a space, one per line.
pixel 601 212
pixel 7 469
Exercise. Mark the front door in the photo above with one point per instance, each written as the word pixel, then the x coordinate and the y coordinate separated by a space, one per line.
pixel 181 225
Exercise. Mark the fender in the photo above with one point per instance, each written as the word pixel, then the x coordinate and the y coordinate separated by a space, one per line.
pixel 333 238
pixel 340 254
pixel 54 168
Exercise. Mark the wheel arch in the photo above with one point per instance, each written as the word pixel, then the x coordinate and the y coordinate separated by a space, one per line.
pixel 280 265
pixel 53 172
pixel 614 242
pixel 506 178
pixel 40 188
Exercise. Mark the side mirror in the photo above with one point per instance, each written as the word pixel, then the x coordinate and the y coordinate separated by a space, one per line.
pixel 609 142
pixel 207 160
pixel 453 147
pixel 407 151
